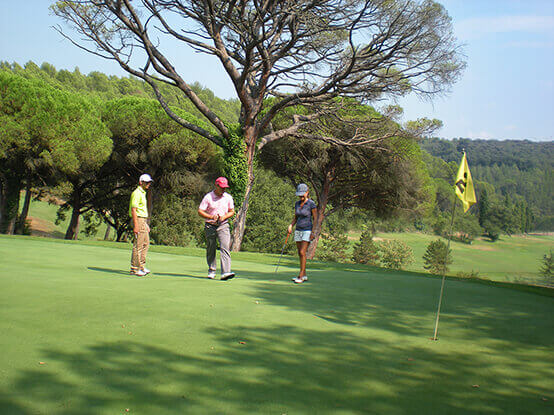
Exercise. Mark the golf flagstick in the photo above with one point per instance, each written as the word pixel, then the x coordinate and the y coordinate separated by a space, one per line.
pixel 444 271
pixel 464 191
pixel 282 250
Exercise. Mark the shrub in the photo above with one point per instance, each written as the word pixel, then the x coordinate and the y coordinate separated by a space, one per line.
pixel 366 251
pixel 491 230
pixel 395 254
pixel 270 212
pixel 439 226
pixel 547 268
pixel 466 228
pixel 436 258
pixel 471 274
pixel 176 222
pixel 332 247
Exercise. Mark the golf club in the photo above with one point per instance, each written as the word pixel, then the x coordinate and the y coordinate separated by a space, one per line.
pixel 282 250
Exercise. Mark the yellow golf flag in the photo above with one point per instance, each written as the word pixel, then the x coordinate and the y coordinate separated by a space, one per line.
pixel 464 185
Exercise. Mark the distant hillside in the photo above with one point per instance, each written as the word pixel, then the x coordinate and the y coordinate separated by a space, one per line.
pixel 516 169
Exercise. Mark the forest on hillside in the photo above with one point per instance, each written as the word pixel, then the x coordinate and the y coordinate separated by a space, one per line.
pixel 118 131
pixel 510 171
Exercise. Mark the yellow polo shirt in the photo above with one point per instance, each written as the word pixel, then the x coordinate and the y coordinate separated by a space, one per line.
pixel 138 200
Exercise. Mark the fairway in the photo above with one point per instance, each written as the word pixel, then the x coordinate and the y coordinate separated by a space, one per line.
pixel 79 335
pixel 510 259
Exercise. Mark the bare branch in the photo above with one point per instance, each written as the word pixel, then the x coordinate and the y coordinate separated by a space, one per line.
pixel 298 52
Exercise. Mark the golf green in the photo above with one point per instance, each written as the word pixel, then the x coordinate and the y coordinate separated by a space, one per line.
pixel 79 335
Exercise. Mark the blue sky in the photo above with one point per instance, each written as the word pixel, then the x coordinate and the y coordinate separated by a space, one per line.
pixel 506 92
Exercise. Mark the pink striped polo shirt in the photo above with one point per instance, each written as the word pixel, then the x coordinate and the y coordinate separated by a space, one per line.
pixel 214 205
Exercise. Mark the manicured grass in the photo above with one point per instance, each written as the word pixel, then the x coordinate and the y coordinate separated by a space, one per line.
pixel 353 340
pixel 510 259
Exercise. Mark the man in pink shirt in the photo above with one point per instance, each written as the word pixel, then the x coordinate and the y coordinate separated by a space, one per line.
pixel 216 208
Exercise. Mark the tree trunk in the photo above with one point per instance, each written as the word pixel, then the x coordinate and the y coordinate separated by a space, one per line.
pixel 73 228
pixel 323 197
pixel 20 226
pixel 310 254
pixel 3 189
pixel 107 234
pixel 240 222
pixel 120 233
pixel 10 201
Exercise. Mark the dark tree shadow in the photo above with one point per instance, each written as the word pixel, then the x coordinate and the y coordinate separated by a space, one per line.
pixel 281 369
pixel 368 354
pixel 406 304
pixel 152 275
pixel 110 271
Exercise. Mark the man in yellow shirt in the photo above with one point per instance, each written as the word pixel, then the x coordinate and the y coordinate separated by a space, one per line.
pixel 138 211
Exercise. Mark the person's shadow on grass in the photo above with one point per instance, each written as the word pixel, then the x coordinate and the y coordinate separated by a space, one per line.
pixel 154 274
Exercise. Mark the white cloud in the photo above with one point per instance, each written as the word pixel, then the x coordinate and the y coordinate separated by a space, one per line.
pixel 483 135
pixel 477 27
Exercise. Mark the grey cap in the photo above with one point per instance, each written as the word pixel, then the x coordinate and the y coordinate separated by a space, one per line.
pixel 301 189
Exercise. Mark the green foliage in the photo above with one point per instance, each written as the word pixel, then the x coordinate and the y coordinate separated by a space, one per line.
pixel 235 163
pixel 520 170
pixel 48 136
pixel 440 225
pixel 492 230
pixel 382 180
pixel 547 268
pixel 395 254
pixel 146 140
pixel 175 222
pixel 270 212
pixel 92 222
pixel 466 228
pixel 56 129
pixel 100 86
pixel 437 257
pixel 366 250
pixel 468 274
pixel 484 207
pixel 333 247
pixel 502 217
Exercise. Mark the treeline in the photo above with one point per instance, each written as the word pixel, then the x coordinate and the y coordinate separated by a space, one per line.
pixel 86 138
pixel 50 147
pixel 89 151
pixel 514 180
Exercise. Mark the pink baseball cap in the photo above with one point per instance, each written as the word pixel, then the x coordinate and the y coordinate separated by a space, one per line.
pixel 222 182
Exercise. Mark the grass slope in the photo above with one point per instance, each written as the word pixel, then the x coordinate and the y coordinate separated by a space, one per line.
pixel 353 340
pixel 510 259
pixel 43 216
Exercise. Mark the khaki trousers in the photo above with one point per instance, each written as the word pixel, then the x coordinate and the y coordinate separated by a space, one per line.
pixel 140 246
pixel 213 234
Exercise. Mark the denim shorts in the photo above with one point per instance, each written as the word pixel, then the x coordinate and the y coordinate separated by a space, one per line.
pixel 302 236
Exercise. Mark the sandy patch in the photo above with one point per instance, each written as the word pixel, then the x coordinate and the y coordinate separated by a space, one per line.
pixel 41 227
pixel 484 248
